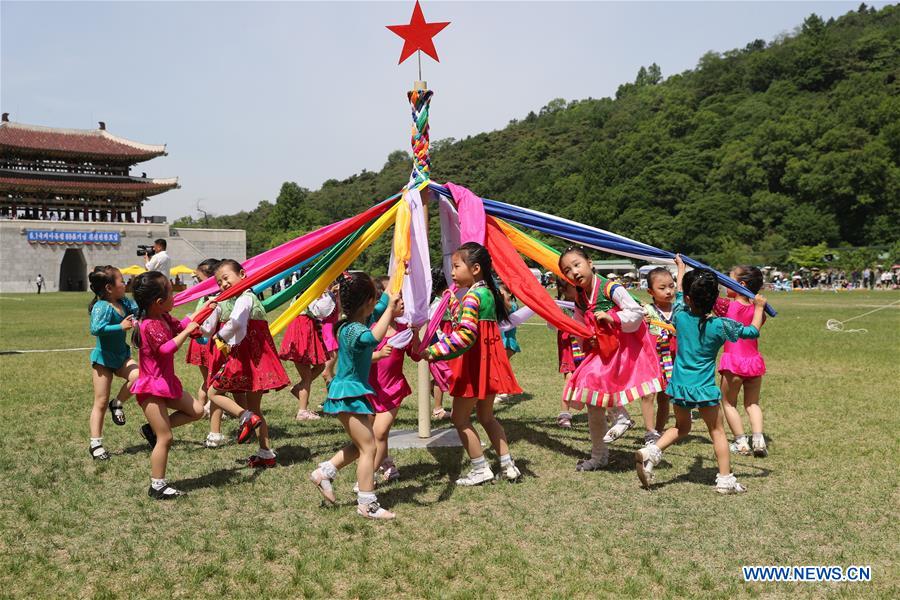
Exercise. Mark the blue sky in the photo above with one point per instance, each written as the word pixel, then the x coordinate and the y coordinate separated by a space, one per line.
pixel 248 95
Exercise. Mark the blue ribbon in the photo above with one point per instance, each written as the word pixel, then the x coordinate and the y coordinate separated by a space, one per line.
pixel 260 287
pixel 593 237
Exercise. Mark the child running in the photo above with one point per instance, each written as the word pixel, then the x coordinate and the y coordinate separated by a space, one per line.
pixel 158 390
pixel 620 363
pixel 480 366
pixel 302 344
pixel 693 382
pixel 198 348
pixel 349 392
pixel 391 387
pixel 742 366
pixel 661 287
pixel 243 361
pixel 568 350
pixel 111 316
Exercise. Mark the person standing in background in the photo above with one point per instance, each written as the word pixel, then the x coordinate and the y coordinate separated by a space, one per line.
pixel 40 282
pixel 160 260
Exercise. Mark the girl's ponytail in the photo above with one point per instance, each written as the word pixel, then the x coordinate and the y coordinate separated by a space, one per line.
pixel 703 292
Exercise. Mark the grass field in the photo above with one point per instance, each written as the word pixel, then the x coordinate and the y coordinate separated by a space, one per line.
pixel 826 495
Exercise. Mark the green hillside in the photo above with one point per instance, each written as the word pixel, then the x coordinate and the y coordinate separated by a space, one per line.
pixel 762 149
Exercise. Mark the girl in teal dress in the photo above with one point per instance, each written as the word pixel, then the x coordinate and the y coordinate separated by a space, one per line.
pixel 693 381
pixel 111 316
pixel 349 390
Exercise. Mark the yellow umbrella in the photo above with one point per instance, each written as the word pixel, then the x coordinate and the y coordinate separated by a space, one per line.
pixel 133 270
pixel 181 270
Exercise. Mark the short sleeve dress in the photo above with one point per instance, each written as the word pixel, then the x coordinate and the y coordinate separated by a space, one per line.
pixel 349 391
pixel 112 350
pixel 693 382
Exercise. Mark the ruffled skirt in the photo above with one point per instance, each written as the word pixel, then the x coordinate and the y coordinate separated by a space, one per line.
pixel 302 342
pixel 484 370
pixel 629 374
pixel 251 366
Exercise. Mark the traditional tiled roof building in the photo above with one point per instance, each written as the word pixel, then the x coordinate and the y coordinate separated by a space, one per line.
pixel 48 173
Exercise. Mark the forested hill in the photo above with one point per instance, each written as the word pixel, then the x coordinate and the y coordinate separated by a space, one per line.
pixel 761 149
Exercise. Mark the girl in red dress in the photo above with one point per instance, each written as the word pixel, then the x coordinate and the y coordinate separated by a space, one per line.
pixel 243 360
pixel 480 366
pixel 303 345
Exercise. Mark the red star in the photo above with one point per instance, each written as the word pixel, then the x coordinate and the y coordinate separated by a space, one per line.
pixel 417 35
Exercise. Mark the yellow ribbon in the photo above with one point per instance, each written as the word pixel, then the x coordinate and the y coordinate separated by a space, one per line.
pixel 402 248
pixel 318 287
pixel 531 248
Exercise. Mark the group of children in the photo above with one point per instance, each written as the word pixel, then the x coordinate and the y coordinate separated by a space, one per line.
pixel 355 337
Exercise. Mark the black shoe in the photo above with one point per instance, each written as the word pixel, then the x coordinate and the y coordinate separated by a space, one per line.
pixel 102 455
pixel 167 492
pixel 147 434
pixel 116 412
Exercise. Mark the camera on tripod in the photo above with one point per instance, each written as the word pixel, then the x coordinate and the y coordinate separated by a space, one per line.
pixel 144 250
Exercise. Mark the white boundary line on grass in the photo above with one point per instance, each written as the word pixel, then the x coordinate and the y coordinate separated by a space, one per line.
pixel 42 351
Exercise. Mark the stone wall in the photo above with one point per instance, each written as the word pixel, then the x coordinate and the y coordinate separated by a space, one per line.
pixel 21 260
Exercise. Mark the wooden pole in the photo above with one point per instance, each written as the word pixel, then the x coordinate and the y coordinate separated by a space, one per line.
pixel 424 388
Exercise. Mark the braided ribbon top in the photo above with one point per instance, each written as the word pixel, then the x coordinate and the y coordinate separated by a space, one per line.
pixel 420 102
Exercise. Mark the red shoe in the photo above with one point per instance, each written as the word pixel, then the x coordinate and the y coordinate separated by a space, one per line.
pixel 258 462
pixel 248 426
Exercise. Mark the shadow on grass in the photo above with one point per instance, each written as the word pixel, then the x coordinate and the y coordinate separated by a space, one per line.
pixel 706 475
pixel 422 477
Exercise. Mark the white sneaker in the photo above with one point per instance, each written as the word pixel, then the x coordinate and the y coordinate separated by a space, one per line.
pixel 740 446
pixel 214 440
pixel 727 484
pixel 759 448
pixel 651 437
pixel 476 477
pixel 618 430
pixel 373 510
pixel 644 460
pixel 510 472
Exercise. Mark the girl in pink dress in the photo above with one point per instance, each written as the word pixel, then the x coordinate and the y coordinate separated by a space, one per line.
pixel 157 389
pixel 328 337
pixel 620 363
pixel 742 366
pixel 441 374
pixel 391 387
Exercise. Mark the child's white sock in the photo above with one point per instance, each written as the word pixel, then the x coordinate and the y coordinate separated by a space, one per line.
pixel 265 453
pixel 741 438
pixel 759 438
pixel 96 442
pixel 479 463
pixel 328 469
pixel 244 416
pixel 365 498
pixel 505 459
pixel 157 484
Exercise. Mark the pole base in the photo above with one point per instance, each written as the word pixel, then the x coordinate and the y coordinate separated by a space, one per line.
pixel 409 438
